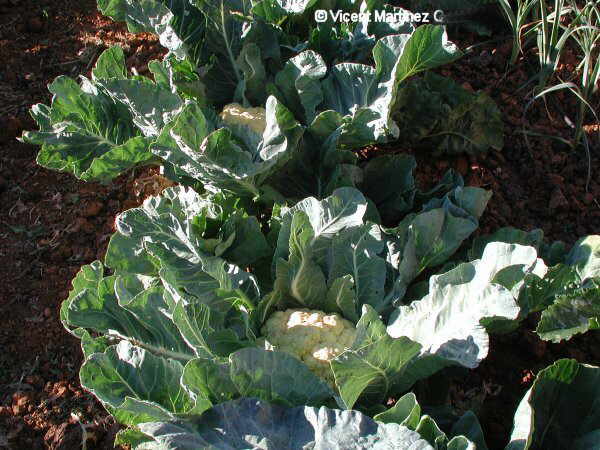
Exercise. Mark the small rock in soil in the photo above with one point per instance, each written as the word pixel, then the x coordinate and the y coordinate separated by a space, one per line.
pixel 63 437
pixel 557 179
pixel 577 354
pixel 35 25
pixel 92 209
pixel 462 165
pixel 62 253
pixel 587 198
pixel 20 402
pixel 34 380
pixel 14 127
pixel 535 345
pixel 88 254
pixel 84 225
pixel 441 164
pixel 558 200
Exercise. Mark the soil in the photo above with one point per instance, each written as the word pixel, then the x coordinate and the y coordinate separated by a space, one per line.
pixel 51 224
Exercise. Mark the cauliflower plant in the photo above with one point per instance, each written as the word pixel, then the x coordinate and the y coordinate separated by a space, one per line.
pixel 311 336
pixel 235 114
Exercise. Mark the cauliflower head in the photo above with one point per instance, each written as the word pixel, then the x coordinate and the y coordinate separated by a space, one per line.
pixel 312 336
pixel 235 114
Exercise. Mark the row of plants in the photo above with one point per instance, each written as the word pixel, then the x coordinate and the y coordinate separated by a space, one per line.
pixel 285 290
pixel 553 28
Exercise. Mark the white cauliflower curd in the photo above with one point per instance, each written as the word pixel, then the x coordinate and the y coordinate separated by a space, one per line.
pixel 235 114
pixel 312 336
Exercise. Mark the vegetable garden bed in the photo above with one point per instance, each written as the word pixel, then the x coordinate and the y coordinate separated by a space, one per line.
pixel 364 173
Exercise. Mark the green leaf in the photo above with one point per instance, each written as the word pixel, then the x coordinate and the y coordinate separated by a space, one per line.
pixel 88 277
pixel 348 86
pixel 300 278
pixel 208 382
pixel 86 133
pixel 468 426
pixel 560 410
pixel 110 64
pixel 458 121
pixel 449 321
pixel 234 55
pixel 127 254
pixel 566 288
pixel 571 314
pixel 320 242
pixel 137 386
pixel 186 132
pixel 132 437
pixel 355 252
pixel 204 330
pixel 429 238
pixel 428 47
pixel 89 344
pixel 431 432
pixel 248 245
pixel 345 208
pixel 152 106
pixel 388 181
pixel 178 24
pixel 252 423
pixel 299 84
pixel 159 220
pixel 509 235
pixel 170 229
pixel 375 363
pixel 585 256
pixel 406 412
pixel 341 298
pixel 222 163
pixel 134 153
pixel 140 317
pixel 276 377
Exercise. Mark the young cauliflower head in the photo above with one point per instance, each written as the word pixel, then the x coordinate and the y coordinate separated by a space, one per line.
pixel 253 118
pixel 312 336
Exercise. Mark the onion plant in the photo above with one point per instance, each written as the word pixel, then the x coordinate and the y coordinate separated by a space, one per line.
pixel 586 33
pixel 584 30
pixel 518 21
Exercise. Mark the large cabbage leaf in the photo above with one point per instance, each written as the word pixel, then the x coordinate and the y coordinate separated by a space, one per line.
pixel 567 293
pixel 252 423
pixel 572 291
pixel 458 121
pixel 449 321
pixel 85 131
pixel 560 410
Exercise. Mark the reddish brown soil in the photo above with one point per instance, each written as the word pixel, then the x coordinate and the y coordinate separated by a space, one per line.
pixel 51 224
